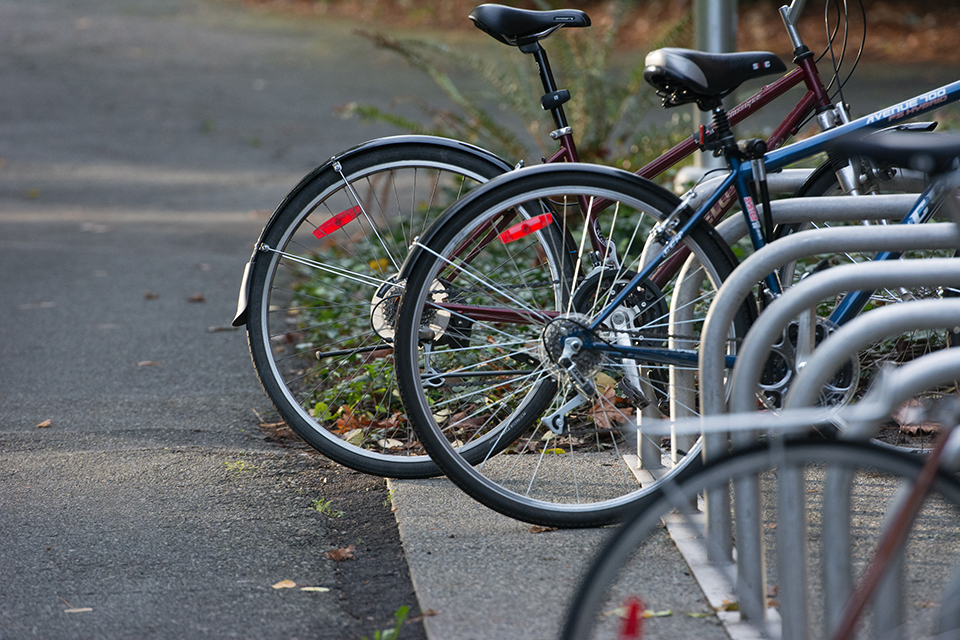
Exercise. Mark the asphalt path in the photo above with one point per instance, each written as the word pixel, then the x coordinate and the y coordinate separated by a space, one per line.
pixel 142 146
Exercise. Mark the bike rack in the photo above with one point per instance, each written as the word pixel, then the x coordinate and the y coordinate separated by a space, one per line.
pixel 860 420
pixel 746 376
pixel 712 365
pixel 683 398
pixel 784 182
pixel 893 388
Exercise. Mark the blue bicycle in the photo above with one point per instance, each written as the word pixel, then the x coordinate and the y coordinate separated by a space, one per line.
pixel 538 315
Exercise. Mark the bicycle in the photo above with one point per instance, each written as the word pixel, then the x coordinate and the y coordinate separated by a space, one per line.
pixel 506 332
pixel 822 498
pixel 327 260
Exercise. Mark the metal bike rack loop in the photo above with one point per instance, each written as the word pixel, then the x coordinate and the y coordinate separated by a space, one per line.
pixel 712 363
pixel 816 210
pixel 893 388
pixel 746 376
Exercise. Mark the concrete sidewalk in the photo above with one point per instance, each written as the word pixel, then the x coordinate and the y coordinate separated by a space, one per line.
pixel 485 576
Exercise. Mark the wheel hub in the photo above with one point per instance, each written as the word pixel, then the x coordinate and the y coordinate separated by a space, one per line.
pixel 384 306
pixel 561 350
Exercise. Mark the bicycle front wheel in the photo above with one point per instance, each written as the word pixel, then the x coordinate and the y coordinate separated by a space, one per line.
pixel 323 294
pixel 848 488
pixel 492 296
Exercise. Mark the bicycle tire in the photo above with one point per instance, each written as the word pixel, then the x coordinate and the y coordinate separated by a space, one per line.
pixel 433 378
pixel 617 573
pixel 333 242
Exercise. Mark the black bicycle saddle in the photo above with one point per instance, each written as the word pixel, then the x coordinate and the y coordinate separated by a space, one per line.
pixel 682 76
pixel 517 27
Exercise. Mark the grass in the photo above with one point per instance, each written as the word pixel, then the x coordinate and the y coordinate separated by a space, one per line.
pixel 399 616
pixel 325 507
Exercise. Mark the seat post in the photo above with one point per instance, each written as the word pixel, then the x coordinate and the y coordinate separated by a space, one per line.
pixel 553 98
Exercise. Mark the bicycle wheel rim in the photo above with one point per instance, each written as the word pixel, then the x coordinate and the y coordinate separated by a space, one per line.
pixel 409 182
pixel 568 501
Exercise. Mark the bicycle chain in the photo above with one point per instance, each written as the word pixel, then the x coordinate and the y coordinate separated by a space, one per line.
pixel 542 285
pixel 451 289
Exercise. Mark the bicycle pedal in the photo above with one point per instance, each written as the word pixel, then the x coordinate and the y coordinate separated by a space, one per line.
pixel 633 393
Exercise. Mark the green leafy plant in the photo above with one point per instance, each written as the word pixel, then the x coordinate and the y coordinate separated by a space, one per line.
pixel 400 616
pixel 325 507
pixel 606 111
pixel 389 500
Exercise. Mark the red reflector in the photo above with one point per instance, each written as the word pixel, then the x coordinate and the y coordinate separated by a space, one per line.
pixel 526 227
pixel 337 221
pixel 631 627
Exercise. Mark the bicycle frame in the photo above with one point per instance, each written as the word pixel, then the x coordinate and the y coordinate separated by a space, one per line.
pixel 815 99
pixel 741 173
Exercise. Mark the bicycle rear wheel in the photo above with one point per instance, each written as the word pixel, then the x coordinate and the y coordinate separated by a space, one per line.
pixel 323 294
pixel 922 597
pixel 490 298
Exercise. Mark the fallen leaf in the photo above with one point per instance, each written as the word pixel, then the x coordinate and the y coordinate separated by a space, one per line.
pixel 390 443
pixel 149 295
pixel 197 297
pixel 148 363
pixel 45 424
pixel 78 610
pixel 912 418
pixel 605 412
pixel 729 606
pixel 649 613
pixel 222 327
pixel 603 380
pixel 339 555
pixel 354 437
pixel 317 589
pixel 538 529
pixel 350 426
pixel 922 429
pixel 463 421
pixel 285 584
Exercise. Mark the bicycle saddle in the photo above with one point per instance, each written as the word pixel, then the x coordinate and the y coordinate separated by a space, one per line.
pixel 517 27
pixel 930 153
pixel 682 76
